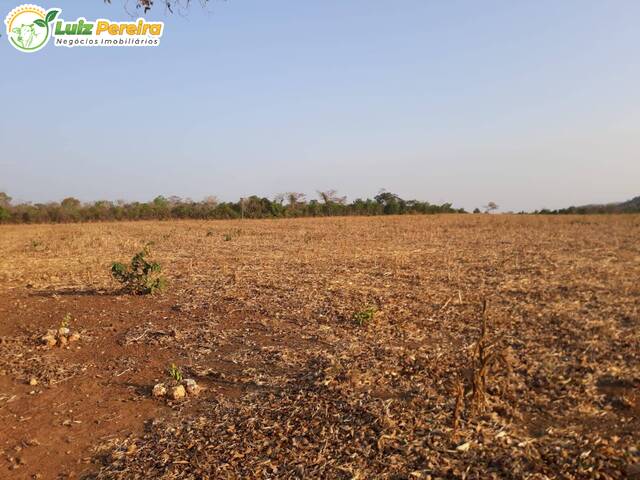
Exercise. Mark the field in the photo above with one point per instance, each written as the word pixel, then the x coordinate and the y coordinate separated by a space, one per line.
pixel 352 348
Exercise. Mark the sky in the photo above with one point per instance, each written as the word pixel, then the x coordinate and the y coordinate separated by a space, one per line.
pixel 531 104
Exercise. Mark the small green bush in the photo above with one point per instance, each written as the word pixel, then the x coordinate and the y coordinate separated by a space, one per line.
pixel 66 321
pixel 175 373
pixel 363 317
pixel 140 277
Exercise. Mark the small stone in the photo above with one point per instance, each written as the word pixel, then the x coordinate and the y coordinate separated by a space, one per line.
pixel 74 337
pixel 178 393
pixel 159 390
pixel 49 340
pixel 464 447
pixel 192 387
pixel 62 341
pixel 64 331
pixel 33 381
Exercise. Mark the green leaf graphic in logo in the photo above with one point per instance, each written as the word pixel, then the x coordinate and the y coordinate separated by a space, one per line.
pixel 51 15
pixel 39 22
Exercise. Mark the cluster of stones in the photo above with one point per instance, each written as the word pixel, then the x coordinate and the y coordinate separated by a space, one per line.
pixel 177 392
pixel 60 337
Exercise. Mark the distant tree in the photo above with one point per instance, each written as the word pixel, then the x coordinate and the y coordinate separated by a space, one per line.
pixel 295 203
pixel 331 196
pixel 5 200
pixel 70 203
pixel 391 203
pixel 210 200
pixel 160 201
pixel 295 198
pixel 279 198
pixel 476 210
pixel 490 207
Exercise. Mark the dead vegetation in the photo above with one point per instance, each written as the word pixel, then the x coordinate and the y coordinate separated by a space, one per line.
pixel 440 347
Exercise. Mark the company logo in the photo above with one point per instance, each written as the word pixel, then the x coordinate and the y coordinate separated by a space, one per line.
pixel 29 28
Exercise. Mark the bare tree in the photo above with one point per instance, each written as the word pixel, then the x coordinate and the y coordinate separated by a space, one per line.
pixel 331 196
pixel 295 198
pixel 211 200
pixel 490 207
pixel 170 5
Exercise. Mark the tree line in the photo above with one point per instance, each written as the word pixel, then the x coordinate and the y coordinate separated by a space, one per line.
pixel 629 206
pixel 289 205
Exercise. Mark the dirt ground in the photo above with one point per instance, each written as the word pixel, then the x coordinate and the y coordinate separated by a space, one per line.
pixel 327 348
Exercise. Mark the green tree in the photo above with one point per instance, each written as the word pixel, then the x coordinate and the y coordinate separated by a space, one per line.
pixel 391 203
pixel 70 203
pixel 5 200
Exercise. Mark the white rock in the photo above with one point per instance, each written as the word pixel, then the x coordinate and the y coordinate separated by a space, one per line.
pixel 464 447
pixel 192 387
pixel 159 390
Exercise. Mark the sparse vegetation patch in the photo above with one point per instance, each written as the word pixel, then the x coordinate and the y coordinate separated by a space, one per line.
pixel 141 276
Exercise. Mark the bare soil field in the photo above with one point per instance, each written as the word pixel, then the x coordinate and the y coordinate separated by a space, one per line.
pixel 336 348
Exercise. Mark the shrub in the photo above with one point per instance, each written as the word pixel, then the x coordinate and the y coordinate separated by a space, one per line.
pixel 66 321
pixel 140 277
pixel 363 317
pixel 175 373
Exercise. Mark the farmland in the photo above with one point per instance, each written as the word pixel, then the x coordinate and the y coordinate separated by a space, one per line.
pixel 326 348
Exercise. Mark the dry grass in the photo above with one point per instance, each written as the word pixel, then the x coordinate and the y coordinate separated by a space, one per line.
pixel 550 374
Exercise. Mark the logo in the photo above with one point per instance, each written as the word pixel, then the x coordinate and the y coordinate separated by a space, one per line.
pixel 29 28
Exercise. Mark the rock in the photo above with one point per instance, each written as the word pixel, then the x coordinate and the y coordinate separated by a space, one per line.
pixel 192 387
pixel 74 337
pixel 49 340
pixel 33 381
pixel 464 447
pixel 159 390
pixel 62 341
pixel 178 392
pixel 64 331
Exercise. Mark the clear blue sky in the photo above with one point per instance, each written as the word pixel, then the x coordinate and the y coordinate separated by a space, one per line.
pixel 530 104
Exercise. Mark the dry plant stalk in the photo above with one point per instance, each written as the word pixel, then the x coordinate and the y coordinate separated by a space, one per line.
pixel 481 362
pixel 458 390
